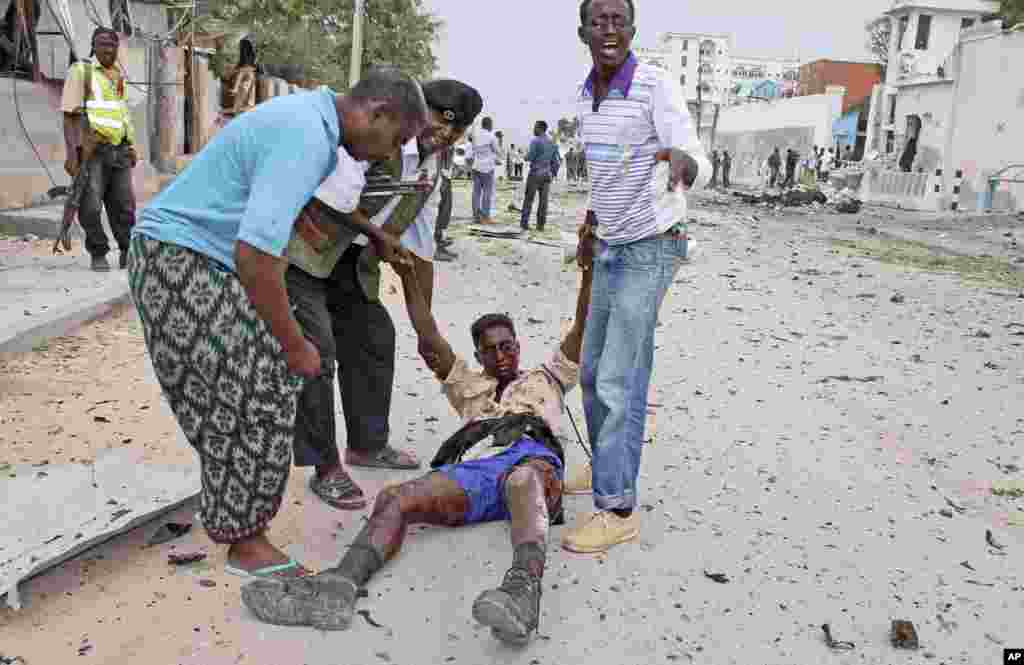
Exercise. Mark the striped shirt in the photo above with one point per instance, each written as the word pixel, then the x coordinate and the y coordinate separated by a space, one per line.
pixel 644 112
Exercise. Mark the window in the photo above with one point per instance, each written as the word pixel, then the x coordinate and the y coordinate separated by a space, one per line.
pixel 686 44
pixel 684 61
pixel 904 23
pixel 924 29
pixel 966 23
pixel 682 80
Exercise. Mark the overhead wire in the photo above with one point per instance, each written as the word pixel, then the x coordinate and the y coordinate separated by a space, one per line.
pixel 64 22
pixel 20 32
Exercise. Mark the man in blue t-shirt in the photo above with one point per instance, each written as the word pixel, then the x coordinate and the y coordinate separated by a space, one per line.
pixel 207 270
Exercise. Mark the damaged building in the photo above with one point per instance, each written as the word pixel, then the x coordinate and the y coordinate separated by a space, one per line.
pixel 173 92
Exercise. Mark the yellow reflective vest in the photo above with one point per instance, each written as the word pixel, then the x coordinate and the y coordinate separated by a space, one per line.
pixel 106 108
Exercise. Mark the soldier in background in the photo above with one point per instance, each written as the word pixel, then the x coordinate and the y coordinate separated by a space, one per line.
pixel 99 139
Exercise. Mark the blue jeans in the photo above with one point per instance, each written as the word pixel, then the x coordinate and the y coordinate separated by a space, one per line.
pixel 483 187
pixel 630 282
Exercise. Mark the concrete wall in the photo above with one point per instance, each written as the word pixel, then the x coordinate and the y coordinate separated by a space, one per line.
pixel 989 112
pixel 931 103
pixel 750 132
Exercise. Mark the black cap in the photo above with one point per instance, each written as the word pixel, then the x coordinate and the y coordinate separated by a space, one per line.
pixel 458 102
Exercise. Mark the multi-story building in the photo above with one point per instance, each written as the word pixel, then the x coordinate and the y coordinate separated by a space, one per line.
pixel 784 73
pixel 707 61
pixel 924 36
pixel 857 77
pixel 700 59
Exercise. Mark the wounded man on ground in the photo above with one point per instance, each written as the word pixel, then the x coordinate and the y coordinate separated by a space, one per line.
pixel 503 464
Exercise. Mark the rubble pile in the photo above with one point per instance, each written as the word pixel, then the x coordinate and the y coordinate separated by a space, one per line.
pixel 840 200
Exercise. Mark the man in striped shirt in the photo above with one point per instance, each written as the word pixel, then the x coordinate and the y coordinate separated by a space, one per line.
pixel 631 116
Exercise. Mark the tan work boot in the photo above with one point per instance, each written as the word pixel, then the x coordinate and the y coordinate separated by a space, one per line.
pixel 580 481
pixel 601 531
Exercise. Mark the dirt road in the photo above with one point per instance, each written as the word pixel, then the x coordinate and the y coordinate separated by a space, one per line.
pixel 829 429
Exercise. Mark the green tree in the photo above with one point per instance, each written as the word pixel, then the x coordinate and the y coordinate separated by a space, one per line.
pixel 1012 12
pixel 317 35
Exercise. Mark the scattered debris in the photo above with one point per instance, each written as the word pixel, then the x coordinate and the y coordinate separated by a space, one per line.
pixel 991 540
pixel 897 299
pixel 721 578
pixel 903 635
pixel 185 558
pixel 839 645
pixel 167 532
pixel 12 660
pixel 977 583
pixel 846 378
pixel 366 615
pixel 968 566
pixel 946 512
pixel 85 647
pixel 993 639
pixel 1011 489
pixel 509 231
pixel 207 583
pixel 948 626
pixel 952 504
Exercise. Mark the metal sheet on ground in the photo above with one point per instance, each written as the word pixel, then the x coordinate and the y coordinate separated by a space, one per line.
pixel 52 513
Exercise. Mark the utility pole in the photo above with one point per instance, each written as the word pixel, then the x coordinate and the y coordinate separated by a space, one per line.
pixel 714 124
pixel 700 86
pixel 356 61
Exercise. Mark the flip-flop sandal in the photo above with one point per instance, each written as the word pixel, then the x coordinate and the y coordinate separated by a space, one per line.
pixel 269 573
pixel 338 490
pixel 388 458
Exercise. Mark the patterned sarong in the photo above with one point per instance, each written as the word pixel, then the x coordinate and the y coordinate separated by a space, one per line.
pixel 226 380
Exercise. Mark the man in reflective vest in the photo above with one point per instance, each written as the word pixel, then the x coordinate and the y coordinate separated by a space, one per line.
pixel 100 142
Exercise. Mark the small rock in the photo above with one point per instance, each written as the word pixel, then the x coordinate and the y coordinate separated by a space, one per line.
pixel 209 584
pixel 903 635
pixel 897 299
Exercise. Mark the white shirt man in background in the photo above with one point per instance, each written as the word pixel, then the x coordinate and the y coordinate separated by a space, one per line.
pixel 485 159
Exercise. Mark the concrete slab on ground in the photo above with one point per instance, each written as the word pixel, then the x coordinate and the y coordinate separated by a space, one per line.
pixel 46 297
pixel 43 221
pixel 85 504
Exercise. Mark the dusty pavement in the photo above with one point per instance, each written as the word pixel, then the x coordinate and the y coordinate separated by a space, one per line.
pixel 828 429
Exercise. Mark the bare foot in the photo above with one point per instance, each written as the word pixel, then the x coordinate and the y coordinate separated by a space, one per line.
pixel 258 552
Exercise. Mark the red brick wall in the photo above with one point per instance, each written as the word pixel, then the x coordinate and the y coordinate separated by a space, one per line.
pixel 858 78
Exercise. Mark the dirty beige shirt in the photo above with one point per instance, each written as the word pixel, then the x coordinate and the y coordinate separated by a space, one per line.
pixel 471 393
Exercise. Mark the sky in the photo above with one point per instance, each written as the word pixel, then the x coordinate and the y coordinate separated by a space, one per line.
pixel 526 60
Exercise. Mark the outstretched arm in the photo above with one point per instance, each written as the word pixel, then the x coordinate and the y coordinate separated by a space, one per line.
pixel 433 347
pixel 572 345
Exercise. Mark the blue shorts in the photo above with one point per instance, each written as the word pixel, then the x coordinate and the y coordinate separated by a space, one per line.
pixel 482 479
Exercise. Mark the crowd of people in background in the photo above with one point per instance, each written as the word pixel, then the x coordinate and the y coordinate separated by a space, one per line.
pixel 789 170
